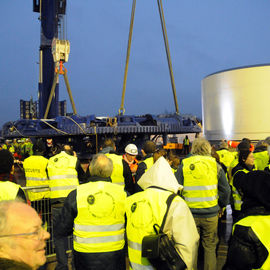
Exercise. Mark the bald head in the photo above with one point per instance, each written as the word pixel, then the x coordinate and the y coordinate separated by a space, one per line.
pixel 101 166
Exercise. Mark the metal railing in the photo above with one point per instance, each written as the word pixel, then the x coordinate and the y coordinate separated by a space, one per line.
pixel 44 209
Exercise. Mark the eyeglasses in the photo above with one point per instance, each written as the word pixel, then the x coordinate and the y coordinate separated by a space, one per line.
pixel 39 233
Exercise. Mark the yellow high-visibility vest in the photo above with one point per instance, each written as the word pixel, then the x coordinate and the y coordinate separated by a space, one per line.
pixel 62 173
pixel 149 163
pixel 261 160
pixel 8 190
pixel 100 223
pixel 237 198
pixel 200 181
pixel 260 226
pixel 35 173
pixel 117 174
pixel 143 210
pixel 226 157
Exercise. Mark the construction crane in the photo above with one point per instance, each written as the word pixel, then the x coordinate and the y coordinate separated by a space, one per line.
pixel 53 121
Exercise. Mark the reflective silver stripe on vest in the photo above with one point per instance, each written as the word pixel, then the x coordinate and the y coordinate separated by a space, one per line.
pixel 201 187
pixel 63 188
pixel 101 228
pixel 100 239
pixel 119 183
pixel 134 245
pixel 67 176
pixel 136 266
pixel 201 199
pixel 36 179
pixel 238 201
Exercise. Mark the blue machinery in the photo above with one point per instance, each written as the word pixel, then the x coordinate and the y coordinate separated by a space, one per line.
pixel 52 125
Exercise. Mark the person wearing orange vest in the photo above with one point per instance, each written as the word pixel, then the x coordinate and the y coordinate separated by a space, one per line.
pixel 249 246
pixel 130 165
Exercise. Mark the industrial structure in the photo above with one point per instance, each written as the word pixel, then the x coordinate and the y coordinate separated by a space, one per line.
pixel 50 119
pixel 235 104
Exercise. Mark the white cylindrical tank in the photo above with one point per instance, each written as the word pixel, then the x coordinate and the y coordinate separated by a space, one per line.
pixel 236 104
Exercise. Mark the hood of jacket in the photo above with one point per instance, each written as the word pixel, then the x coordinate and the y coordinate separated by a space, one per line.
pixel 160 175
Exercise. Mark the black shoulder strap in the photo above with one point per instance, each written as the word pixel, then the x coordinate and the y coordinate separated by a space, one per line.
pixel 168 202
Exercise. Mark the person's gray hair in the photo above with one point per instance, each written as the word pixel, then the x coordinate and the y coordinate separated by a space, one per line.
pixel 4 208
pixel 101 166
pixel 201 146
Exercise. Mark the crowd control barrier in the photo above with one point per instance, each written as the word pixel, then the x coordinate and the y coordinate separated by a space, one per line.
pixel 43 208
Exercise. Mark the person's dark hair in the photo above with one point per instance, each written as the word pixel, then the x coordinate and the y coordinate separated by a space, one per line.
pixel 6 161
pixel 68 149
pixel 261 145
pixel 108 142
pixel 243 153
pixel 149 147
pixel 39 147
pixel 243 145
pixel 174 160
pixel 101 166
pixel 160 153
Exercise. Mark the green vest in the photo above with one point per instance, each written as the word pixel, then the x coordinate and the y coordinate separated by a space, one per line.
pixel 149 163
pixel 260 225
pixel 4 146
pixel 35 173
pixel 226 157
pixel 143 210
pixel 200 181
pixel 100 223
pixel 8 190
pixel 261 160
pixel 62 174
pixel 117 174
pixel 27 148
pixel 186 142
pixel 237 199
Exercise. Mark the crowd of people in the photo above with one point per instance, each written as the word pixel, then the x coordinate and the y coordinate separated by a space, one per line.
pixel 109 202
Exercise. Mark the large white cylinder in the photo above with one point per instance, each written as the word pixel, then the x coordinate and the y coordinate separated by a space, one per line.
pixel 236 104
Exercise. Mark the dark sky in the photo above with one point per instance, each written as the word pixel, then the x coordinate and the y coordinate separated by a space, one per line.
pixel 205 36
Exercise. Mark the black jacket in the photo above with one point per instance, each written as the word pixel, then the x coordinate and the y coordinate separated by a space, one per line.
pixel 246 251
pixel 64 227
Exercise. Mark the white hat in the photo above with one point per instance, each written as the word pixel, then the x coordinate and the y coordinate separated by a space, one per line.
pixel 131 149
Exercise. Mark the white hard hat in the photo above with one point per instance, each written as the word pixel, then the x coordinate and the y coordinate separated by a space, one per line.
pixel 131 149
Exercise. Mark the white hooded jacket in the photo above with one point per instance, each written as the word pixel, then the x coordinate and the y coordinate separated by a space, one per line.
pixel 179 223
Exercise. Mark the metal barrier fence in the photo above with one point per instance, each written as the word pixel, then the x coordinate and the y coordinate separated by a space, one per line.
pixel 44 209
